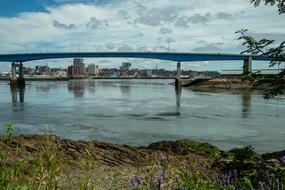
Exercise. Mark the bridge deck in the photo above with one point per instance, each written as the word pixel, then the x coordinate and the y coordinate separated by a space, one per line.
pixel 178 57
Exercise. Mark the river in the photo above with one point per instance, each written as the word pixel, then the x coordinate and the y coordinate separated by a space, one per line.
pixel 139 112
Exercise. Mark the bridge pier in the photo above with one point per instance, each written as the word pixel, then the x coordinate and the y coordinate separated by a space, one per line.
pixel 178 83
pixel 247 66
pixel 20 81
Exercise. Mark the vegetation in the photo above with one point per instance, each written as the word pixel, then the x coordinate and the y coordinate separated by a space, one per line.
pixel 48 162
pixel 280 4
pixel 266 47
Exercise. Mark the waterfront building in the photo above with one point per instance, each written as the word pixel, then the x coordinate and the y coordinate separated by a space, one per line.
pixel 42 70
pixel 93 70
pixel 77 70
pixel 149 73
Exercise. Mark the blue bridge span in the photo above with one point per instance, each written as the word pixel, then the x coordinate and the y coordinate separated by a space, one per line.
pixel 177 57
pixel 18 59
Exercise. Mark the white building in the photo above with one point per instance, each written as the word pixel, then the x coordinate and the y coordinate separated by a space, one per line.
pixel 93 70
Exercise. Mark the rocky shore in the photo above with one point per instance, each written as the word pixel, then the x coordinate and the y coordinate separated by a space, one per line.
pixel 234 83
pixel 112 166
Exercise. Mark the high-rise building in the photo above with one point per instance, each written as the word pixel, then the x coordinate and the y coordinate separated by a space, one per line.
pixel 93 69
pixel 78 61
pixel 77 70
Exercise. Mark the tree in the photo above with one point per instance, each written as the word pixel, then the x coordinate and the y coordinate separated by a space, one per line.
pixel 280 4
pixel 265 47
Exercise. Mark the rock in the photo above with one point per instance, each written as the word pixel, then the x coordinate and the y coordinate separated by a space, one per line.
pixel 184 147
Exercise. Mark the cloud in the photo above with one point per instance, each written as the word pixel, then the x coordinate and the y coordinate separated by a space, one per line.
pixel 160 48
pixel 182 21
pixel 170 40
pixel 142 49
pixel 212 47
pixel 94 23
pixel 125 48
pixel 224 16
pixel 111 46
pixel 200 19
pixel 124 14
pixel 57 24
pixel 164 30
pixel 278 37
pixel 155 17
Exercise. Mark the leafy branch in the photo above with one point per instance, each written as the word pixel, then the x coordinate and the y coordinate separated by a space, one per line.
pixel 280 4
pixel 262 47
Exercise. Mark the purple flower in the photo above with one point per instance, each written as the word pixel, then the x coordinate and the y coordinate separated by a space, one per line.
pixel 136 181
pixel 261 185
pixel 283 159
pixel 159 181
pixel 228 179
pixel 177 179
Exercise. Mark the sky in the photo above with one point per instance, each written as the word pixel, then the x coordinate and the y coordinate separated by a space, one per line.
pixel 28 26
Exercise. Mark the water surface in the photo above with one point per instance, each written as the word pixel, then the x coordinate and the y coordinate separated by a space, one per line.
pixel 138 112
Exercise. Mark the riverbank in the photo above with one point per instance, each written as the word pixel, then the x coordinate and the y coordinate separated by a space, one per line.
pixel 44 161
pixel 233 83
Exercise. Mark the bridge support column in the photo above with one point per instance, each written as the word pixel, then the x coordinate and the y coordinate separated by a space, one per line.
pixel 21 80
pixel 247 66
pixel 178 83
pixel 14 81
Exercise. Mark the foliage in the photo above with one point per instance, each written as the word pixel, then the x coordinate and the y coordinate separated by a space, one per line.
pixel 265 47
pixel 262 47
pixel 280 4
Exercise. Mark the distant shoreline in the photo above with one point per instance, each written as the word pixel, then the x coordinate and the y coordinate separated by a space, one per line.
pixel 66 79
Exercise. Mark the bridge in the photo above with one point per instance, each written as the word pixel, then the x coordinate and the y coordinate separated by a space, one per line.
pixel 17 60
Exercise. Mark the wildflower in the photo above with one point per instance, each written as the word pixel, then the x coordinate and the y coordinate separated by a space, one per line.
pixel 159 181
pixel 261 185
pixel 283 159
pixel 136 181
pixel 163 158
pixel 228 179
pixel 177 179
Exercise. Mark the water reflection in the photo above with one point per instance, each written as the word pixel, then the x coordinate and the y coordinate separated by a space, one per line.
pixel 77 87
pixel 91 86
pixel 246 104
pixel 178 92
pixel 14 94
pixel 125 87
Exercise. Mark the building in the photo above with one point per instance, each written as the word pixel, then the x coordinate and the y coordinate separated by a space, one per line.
pixel 77 70
pixel 149 73
pixel 42 70
pixel 78 61
pixel 93 70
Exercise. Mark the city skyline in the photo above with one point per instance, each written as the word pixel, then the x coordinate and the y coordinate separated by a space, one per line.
pixel 84 25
